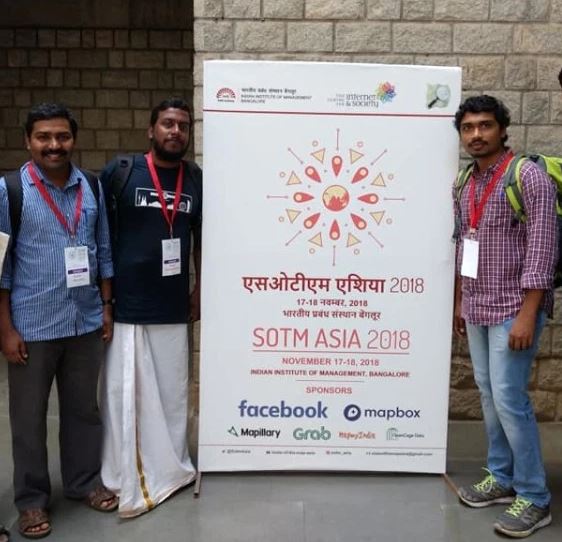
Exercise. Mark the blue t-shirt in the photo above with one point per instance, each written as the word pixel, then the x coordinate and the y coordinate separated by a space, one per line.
pixel 142 294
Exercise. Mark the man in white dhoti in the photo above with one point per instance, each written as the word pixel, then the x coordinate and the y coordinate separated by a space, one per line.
pixel 155 208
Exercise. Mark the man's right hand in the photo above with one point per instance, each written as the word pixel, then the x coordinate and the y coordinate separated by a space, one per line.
pixel 459 325
pixel 13 347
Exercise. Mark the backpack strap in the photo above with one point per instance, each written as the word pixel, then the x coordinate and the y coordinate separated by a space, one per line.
pixel 194 171
pixel 121 174
pixel 462 178
pixel 14 190
pixel 513 187
pixel 92 179
pixel 118 179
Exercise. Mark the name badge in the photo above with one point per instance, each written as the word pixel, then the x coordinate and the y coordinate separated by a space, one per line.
pixel 171 257
pixel 469 265
pixel 77 266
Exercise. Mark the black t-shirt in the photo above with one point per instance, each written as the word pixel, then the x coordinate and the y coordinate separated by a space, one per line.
pixel 142 294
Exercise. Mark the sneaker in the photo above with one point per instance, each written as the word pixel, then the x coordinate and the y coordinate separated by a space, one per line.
pixel 522 518
pixel 485 493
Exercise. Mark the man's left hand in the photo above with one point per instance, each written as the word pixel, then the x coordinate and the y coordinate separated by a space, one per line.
pixel 522 332
pixel 107 326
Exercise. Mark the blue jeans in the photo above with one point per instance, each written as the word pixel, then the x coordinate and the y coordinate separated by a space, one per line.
pixel 502 376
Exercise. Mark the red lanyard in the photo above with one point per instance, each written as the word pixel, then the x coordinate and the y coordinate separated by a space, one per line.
pixel 156 182
pixel 477 210
pixel 53 206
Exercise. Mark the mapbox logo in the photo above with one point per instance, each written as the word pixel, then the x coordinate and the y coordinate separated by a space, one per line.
pixel 354 412
pixel 282 410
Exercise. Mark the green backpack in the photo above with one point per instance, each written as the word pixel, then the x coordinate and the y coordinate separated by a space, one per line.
pixel 552 165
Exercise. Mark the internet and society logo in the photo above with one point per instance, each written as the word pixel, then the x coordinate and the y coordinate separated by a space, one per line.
pixel 354 412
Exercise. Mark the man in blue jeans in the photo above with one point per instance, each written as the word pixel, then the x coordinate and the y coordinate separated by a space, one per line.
pixel 503 294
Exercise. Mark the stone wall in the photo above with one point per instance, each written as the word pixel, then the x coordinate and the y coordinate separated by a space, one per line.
pixel 509 48
pixel 109 61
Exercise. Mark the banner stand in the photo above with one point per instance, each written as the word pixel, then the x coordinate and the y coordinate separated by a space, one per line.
pixel 197 486
pixel 328 266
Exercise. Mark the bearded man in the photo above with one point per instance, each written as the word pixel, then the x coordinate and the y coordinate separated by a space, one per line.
pixel 154 203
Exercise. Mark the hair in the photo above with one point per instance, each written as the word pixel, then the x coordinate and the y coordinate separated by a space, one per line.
pixel 484 104
pixel 47 111
pixel 560 78
pixel 174 103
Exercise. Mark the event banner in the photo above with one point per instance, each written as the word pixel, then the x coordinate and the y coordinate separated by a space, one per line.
pixel 328 266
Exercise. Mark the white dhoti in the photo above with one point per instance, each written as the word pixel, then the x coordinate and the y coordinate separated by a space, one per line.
pixel 143 399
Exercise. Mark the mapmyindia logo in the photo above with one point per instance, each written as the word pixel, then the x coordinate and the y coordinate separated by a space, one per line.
pixel 282 410
pixel 354 412
pixel 254 432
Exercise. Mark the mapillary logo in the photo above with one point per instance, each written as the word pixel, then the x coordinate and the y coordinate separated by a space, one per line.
pixel 254 432
pixel 283 410
pixel 354 412
pixel 226 94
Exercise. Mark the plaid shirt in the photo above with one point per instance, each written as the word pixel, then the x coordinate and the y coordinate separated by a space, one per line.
pixel 513 256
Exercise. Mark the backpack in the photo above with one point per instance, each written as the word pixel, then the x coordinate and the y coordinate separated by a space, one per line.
pixel 14 191
pixel 552 165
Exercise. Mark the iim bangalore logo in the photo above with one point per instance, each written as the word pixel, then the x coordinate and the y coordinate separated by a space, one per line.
pixel 226 94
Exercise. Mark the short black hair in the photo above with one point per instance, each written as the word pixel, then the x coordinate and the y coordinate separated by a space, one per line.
pixel 174 103
pixel 47 111
pixel 560 78
pixel 484 104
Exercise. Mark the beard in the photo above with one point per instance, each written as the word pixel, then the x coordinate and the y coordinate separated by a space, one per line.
pixel 168 156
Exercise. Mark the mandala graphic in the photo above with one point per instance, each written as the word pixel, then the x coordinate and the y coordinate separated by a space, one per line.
pixel 336 199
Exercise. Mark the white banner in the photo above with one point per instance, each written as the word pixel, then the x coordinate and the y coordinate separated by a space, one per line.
pixel 327 266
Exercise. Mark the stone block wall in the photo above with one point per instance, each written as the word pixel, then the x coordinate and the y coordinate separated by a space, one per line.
pixel 109 61
pixel 509 48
